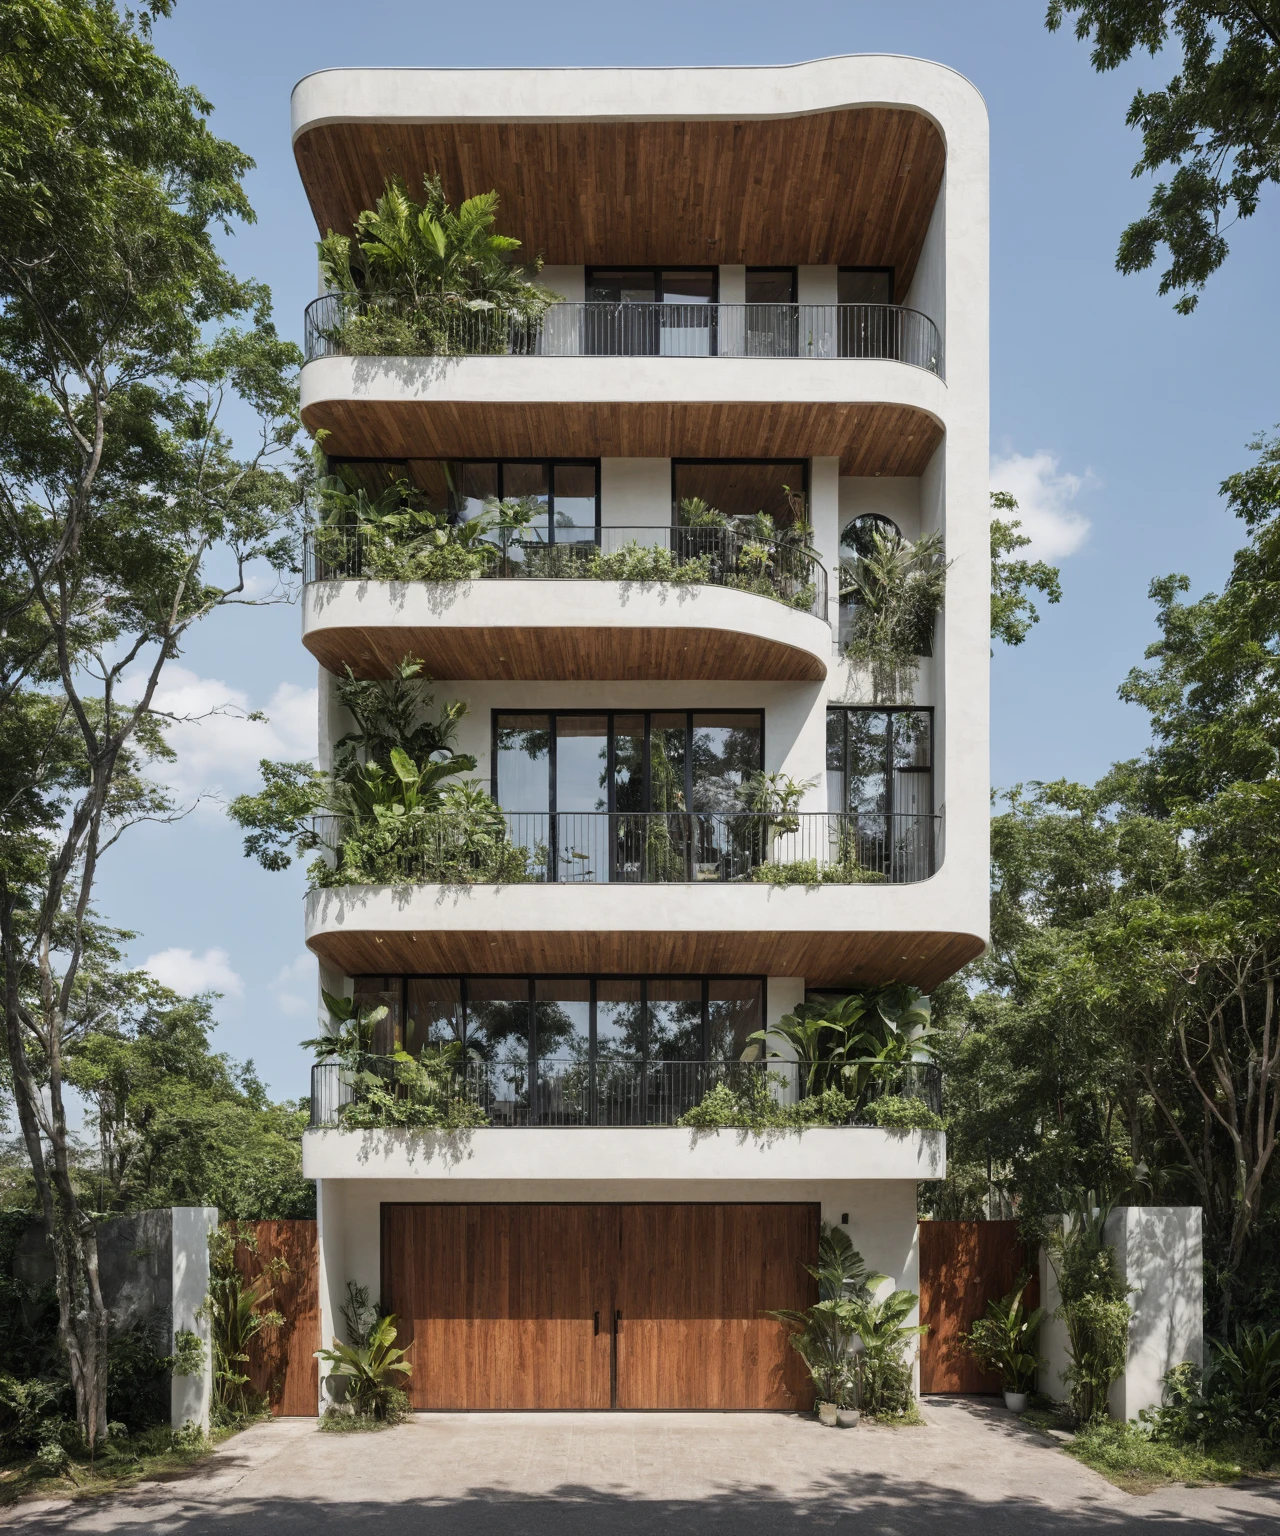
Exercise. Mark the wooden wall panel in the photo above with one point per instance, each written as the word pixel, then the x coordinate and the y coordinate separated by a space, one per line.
pixel 854 187
pixel 963 1266
pixel 692 1287
pixel 564 652
pixel 282 1363
pixel 825 959
pixel 868 437
pixel 498 1303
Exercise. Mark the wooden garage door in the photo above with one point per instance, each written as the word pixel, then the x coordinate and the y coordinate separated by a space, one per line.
pixel 598 1306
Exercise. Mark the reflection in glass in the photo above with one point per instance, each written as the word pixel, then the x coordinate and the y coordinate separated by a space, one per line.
pixel 524 762
pixel 864 285
pixel 734 1011
pixel 371 993
pixel 574 486
pixel 498 1032
pixel 619 1021
pixel 434 1012
pixel 675 1021
pixel 582 757
pixel 775 487
pixel 727 750
pixel 771 285
pixel 562 1037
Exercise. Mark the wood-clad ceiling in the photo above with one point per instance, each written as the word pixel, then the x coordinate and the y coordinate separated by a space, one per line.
pixel 841 959
pixel 854 187
pixel 869 438
pixel 558 653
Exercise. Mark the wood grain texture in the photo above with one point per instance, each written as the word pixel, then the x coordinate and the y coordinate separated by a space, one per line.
pixel 282 1363
pixel 824 959
pixel 564 652
pixel 500 1300
pixel 854 187
pixel 963 1266
pixel 868 437
pixel 692 1287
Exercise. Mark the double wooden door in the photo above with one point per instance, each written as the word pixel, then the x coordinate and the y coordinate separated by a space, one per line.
pixel 599 1306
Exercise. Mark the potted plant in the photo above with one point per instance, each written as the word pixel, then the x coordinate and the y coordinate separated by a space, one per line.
pixel 1005 1340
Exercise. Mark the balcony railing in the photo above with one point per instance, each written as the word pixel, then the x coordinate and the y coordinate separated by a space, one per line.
pixel 343 325
pixel 783 569
pixel 594 1091
pixel 807 848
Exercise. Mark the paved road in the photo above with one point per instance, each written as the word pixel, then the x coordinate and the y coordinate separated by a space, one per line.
pixel 974 1471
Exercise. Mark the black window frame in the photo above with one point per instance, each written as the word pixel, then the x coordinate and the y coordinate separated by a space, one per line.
pixel 549 464
pixel 794 273
pixel 805 463
pixel 611 761
pixel 592 979
pixel 893 278
pixel 656 273
pixel 845 710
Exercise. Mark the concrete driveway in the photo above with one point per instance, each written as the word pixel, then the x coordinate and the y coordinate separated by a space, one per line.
pixel 973 1471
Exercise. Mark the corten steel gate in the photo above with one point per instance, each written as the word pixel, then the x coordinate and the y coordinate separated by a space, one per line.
pixel 282 1363
pixel 963 1266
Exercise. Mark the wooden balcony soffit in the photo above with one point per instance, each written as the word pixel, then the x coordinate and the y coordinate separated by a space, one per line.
pixel 853 187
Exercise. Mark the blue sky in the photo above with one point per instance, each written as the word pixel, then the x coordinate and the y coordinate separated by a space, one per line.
pixel 1113 418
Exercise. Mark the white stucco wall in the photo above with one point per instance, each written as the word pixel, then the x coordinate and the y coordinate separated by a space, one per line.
pixel 928 291
pixel 733 285
pixel 569 282
pixel 635 493
pixel 817 285
pixel 190 1397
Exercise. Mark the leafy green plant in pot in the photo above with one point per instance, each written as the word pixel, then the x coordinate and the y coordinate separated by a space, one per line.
pixel 366 1375
pixel 1005 1340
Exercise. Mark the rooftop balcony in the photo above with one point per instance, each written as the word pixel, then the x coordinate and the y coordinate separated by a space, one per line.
pixel 623 603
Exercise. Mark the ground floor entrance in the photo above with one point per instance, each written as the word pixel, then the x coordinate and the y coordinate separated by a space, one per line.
pixel 629 1306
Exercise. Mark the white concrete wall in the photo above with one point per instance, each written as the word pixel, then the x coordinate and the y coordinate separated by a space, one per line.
pixel 635 493
pixel 928 291
pixel 733 285
pixel 893 496
pixel 190 1397
pixel 569 282
pixel 824 503
pixel 1159 1257
pixel 817 285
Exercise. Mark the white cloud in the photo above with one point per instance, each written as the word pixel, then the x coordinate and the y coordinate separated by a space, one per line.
pixel 1044 494
pixel 189 973
pixel 218 753
pixel 293 988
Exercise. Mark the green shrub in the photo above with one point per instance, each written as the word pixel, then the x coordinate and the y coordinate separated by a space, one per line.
pixel 30 1413
pixel 336 1421
pixel 811 872
pixel 892 1113
pixel 364 1376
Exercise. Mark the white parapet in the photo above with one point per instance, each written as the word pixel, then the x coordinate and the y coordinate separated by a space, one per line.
pixel 629 1160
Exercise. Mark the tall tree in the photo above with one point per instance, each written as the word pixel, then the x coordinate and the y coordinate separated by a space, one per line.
pixel 1014 578
pixel 123 335
pixel 1216 123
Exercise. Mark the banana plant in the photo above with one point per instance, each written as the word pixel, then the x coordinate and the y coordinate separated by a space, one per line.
pixel 365 1375
pixel 351 1032
pixel 404 792
pixel 820 1037
pixel 1004 1340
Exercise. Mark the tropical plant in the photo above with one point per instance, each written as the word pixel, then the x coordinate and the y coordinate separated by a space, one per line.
pixel 1005 1340
pixel 1094 1306
pixel 1012 611
pixel 1247 1371
pixel 895 589
pixel 364 1376
pixel 351 1029
pixel 235 1312
pixel 853 1042
pixel 884 1370
pixel 776 796
pixel 422 278
pixel 825 1335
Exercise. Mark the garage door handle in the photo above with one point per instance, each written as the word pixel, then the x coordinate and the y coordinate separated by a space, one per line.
pixel 617 1319
pixel 597 1323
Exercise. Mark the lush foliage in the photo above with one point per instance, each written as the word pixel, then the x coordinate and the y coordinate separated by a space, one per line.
pixel 1006 1339
pixel 855 1043
pixel 1216 123
pixel 1012 580
pixel 237 1313
pixel 424 279
pixel 364 1374
pixel 1095 1307
pixel 895 588
pixel 126 514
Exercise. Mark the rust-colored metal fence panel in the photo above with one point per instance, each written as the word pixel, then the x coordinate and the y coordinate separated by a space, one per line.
pixel 282 1362
pixel 963 1266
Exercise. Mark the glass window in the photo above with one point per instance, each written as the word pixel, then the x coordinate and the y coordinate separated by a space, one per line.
pixel 563 1020
pixel 582 788
pixel 864 285
pixel 575 503
pixel 775 487
pixel 667 748
pixel 735 1009
pixel 675 1021
pixel 880 762
pixel 477 487
pixel 727 750
pixel 374 992
pixel 771 285
pixel 857 538
pixel 628 763
pixel 522 769
pixel 433 1012
pixel 620 287
pixel 498 1032
pixel 836 722
pixel 527 484
pixel 866 785
pixel 619 1021
pixel 688 287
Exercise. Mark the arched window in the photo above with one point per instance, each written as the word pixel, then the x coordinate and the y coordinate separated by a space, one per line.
pixel 856 538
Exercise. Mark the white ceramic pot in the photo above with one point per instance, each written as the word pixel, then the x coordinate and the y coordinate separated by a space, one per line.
pixel 847 1418
pixel 1016 1402
pixel 827 1414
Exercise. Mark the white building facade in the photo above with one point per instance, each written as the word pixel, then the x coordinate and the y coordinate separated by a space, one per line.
pixel 773 296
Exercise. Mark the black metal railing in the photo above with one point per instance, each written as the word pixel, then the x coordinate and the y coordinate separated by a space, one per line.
pixel 599 1090
pixel 784 569
pixel 662 847
pixel 343 325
